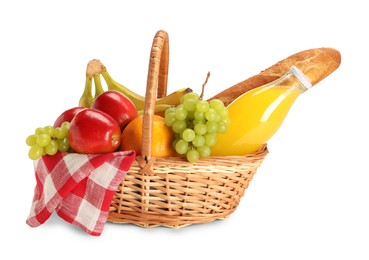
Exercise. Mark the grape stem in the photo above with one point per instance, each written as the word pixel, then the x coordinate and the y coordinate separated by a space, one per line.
pixel 203 85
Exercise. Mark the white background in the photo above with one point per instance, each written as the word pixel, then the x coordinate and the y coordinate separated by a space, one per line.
pixel 308 200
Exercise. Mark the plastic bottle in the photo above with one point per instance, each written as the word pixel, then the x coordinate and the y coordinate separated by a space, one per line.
pixel 257 114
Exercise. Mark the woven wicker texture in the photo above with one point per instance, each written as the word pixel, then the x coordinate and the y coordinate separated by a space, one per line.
pixel 171 191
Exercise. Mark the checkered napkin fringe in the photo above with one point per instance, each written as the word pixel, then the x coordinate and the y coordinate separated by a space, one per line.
pixel 79 187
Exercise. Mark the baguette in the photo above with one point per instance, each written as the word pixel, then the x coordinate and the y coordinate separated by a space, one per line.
pixel 316 64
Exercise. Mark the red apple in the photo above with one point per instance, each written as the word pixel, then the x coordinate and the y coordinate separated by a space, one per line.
pixel 67 115
pixel 117 105
pixel 94 131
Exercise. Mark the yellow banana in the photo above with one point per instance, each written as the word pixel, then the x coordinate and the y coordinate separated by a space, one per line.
pixel 95 69
pixel 138 100
pixel 159 109
pixel 173 98
pixel 98 86
pixel 92 74
pixel 87 99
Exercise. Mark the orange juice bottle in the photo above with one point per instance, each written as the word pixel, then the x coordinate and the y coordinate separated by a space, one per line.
pixel 257 114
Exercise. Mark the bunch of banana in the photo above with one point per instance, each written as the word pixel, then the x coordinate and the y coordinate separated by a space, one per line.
pixel 95 69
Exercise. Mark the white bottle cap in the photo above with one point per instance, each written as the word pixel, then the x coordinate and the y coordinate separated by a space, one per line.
pixel 301 77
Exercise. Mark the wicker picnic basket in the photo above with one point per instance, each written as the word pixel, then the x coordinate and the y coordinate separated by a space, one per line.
pixel 171 191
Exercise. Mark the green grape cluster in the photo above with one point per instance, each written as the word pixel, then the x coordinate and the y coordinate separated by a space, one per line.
pixel 196 123
pixel 48 140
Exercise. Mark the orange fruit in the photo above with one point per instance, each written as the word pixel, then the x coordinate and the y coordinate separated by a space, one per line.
pixel 162 137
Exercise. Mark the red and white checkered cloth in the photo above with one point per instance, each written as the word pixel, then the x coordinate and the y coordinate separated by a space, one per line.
pixel 79 187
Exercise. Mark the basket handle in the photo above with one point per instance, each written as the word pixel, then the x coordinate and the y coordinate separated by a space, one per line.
pixel 156 86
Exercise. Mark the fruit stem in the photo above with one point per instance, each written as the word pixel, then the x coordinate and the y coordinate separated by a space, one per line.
pixel 203 85
pixel 94 67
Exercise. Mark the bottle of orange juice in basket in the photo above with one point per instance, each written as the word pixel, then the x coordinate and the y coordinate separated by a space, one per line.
pixel 257 114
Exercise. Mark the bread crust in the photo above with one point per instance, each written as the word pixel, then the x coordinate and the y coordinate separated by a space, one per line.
pixel 315 63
